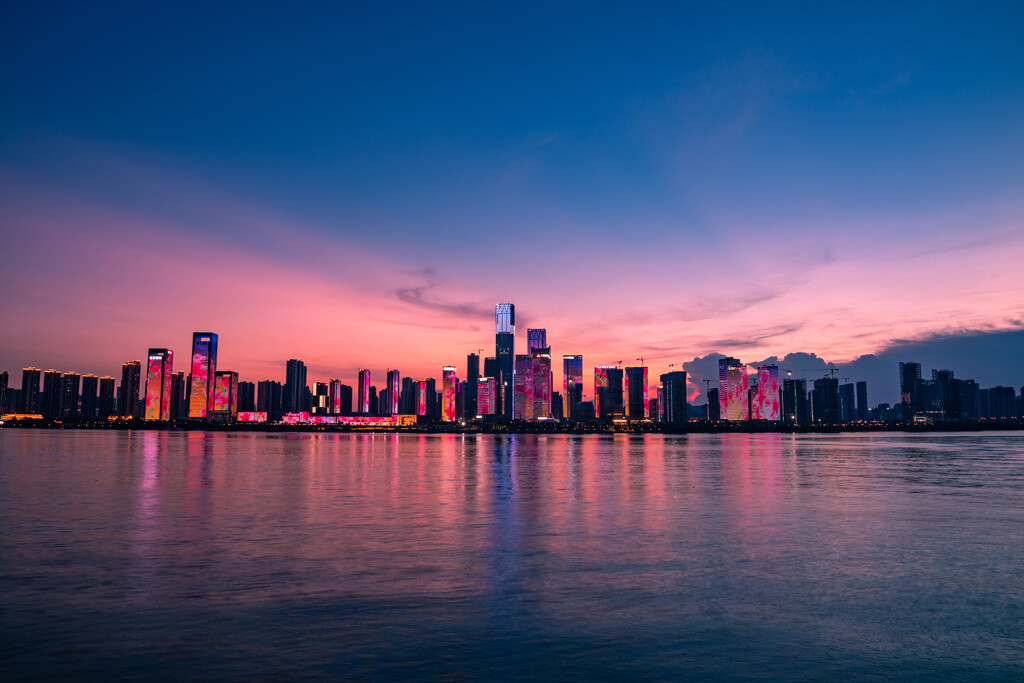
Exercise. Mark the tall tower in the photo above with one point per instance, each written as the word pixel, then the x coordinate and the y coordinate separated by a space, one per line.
pixel 448 387
pixel 294 386
pixel 29 390
pixel 672 402
pixel 472 375
pixel 204 371
pixel 158 384
pixel 572 383
pixel 364 392
pixel 129 396
pixel 394 390
pixel 909 374
pixel 636 392
pixel 505 349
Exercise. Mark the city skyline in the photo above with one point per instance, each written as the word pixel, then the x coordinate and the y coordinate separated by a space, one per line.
pixel 711 186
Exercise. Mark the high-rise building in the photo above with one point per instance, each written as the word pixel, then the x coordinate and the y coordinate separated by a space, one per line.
pixel 204 371
pixel 524 387
pixel 270 397
pixel 51 395
pixel 637 395
pixel 70 385
pixel 767 401
pixel 3 392
pixel 449 384
pixel 29 390
pixel 572 384
pixel 714 406
pixel 179 405
pixel 394 390
pixel 340 402
pixel 825 401
pixel 608 391
pixel 536 339
pixel 486 391
pixel 90 387
pixel 672 401
pixel 794 401
pixel 909 374
pixel 294 386
pixel 862 401
pixel 106 406
pixel 246 397
pixel 160 365
pixel 966 397
pixel 363 397
pixel 733 401
pixel 472 375
pixel 426 397
pixel 847 408
pixel 225 394
pixel 128 394
pixel 505 350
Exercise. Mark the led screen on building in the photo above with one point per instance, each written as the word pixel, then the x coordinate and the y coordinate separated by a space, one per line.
pixel 448 393
pixel 600 383
pixel 766 401
pixel 158 385
pixel 735 403
pixel 485 392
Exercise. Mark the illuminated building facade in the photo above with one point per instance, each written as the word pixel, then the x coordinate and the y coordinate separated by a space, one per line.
pixel 204 370
pixel 524 387
pixel 486 391
pixel 505 349
pixel 225 394
pixel 394 390
pixel 340 397
pixel 536 339
pixel 672 400
pixel 470 393
pixel 600 385
pixel 128 398
pixel 572 384
pixel 449 385
pixel 767 399
pixel 159 366
pixel 363 397
pixel 540 371
pixel 636 393
pixel 733 401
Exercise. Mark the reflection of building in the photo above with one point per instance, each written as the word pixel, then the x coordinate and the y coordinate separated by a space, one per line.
pixel 636 393
pixel 128 397
pixel 470 390
pixel 158 384
pixel 363 397
pixel 672 401
pixel 294 386
pixel 394 390
pixel 225 394
pixel 485 395
pixel 909 374
pixel 733 401
pixel 204 369
pixel 505 349
pixel 572 384
pixel 449 384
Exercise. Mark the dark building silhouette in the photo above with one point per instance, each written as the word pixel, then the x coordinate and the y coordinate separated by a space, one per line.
pixel 714 407
pixel 179 406
pixel 673 396
pixel 106 407
pixel 795 409
pixel 862 402
pixel 847 409
pixel 70 387
pixel 295 386
pixel 50 406
pixel 29 390
pixel 128 394
pixel 505 351
pixel 270 397
pixel 572 384
pixel 998 403
pixel 910 373
pixel 3 392
pixel 928 401
pixel 407 402
pixel 246 397
pixel 90 397
pixel 557 408
pixel 964 400
pixel 825 403
pixel 635 391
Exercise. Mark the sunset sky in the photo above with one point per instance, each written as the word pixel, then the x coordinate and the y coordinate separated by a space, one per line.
pixel 358 186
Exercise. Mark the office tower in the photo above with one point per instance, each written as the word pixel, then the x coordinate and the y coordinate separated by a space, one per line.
pixel 714 406
pixel 909 374
pixel 406 404
pixel 70 386
pixel 601 386
pixel 540 371
pixel 321 398
pixel 965 395
pixel 794 401
pixel 536 339
pixel 225 394
pixel 426 396
pixel 652 409
pixel 29 390
pixel 340 397
pixel 363 397
pixel 636 393
pixel 945 379
pixel 608 391
pixel 847 409
pixel 862 401
pixel 128 394
pixel 106 406
pixel 472 375
pixel 158 384
pixel 448 387
pixel 3 392
pixel 269 397
pixel 373 399
pixel 572 383
pixel 486 391
pixel 524 387
pixel 733 401
pixel 928 401
pixel 90 385
pixel 294 386
pixel 505 349
pixel 204 371
pixel 394 392
pixel 246 397
pixel 1000 401
pixel 825 401
pixel 672 400
pixel 766 403
pixel 179 406
pixel 51 395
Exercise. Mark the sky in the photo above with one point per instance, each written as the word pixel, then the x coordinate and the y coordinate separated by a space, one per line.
pixel 357 186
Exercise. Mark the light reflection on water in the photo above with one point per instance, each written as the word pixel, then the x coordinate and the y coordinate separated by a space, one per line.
pixel 462 556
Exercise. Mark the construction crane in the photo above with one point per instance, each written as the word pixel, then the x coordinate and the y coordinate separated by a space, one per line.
pixel 641 359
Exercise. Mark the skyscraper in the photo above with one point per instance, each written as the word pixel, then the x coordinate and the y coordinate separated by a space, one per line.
pixel 472 375
pixel 505 349
pixel 179 406
pixel 394 390
pixel 486 390
pixel 204 371
pixel 767 399
pixel 128 395
pixel 158 384
pixel 246 397
pixel 294 386
pixel 363 397
pixel 732 390
pixel 672 401
pixel 794 401
pixel 572 384
pixel 601 388
pixel 51 395
pixel 862 401
pixel 847 407
pixel 270 397
pixel 636 390
pixel 909 374
pixel 225 394
pixel 106 405
pixel 3 392
pixel 340 394
pixel 536 339
pixel 524 387
pixel 825 401
pixel 448 388
pixel 69 395
pixel 29 390
pixel 90 385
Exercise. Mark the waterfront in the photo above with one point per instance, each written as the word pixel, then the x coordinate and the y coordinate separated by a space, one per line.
pixel 192 554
